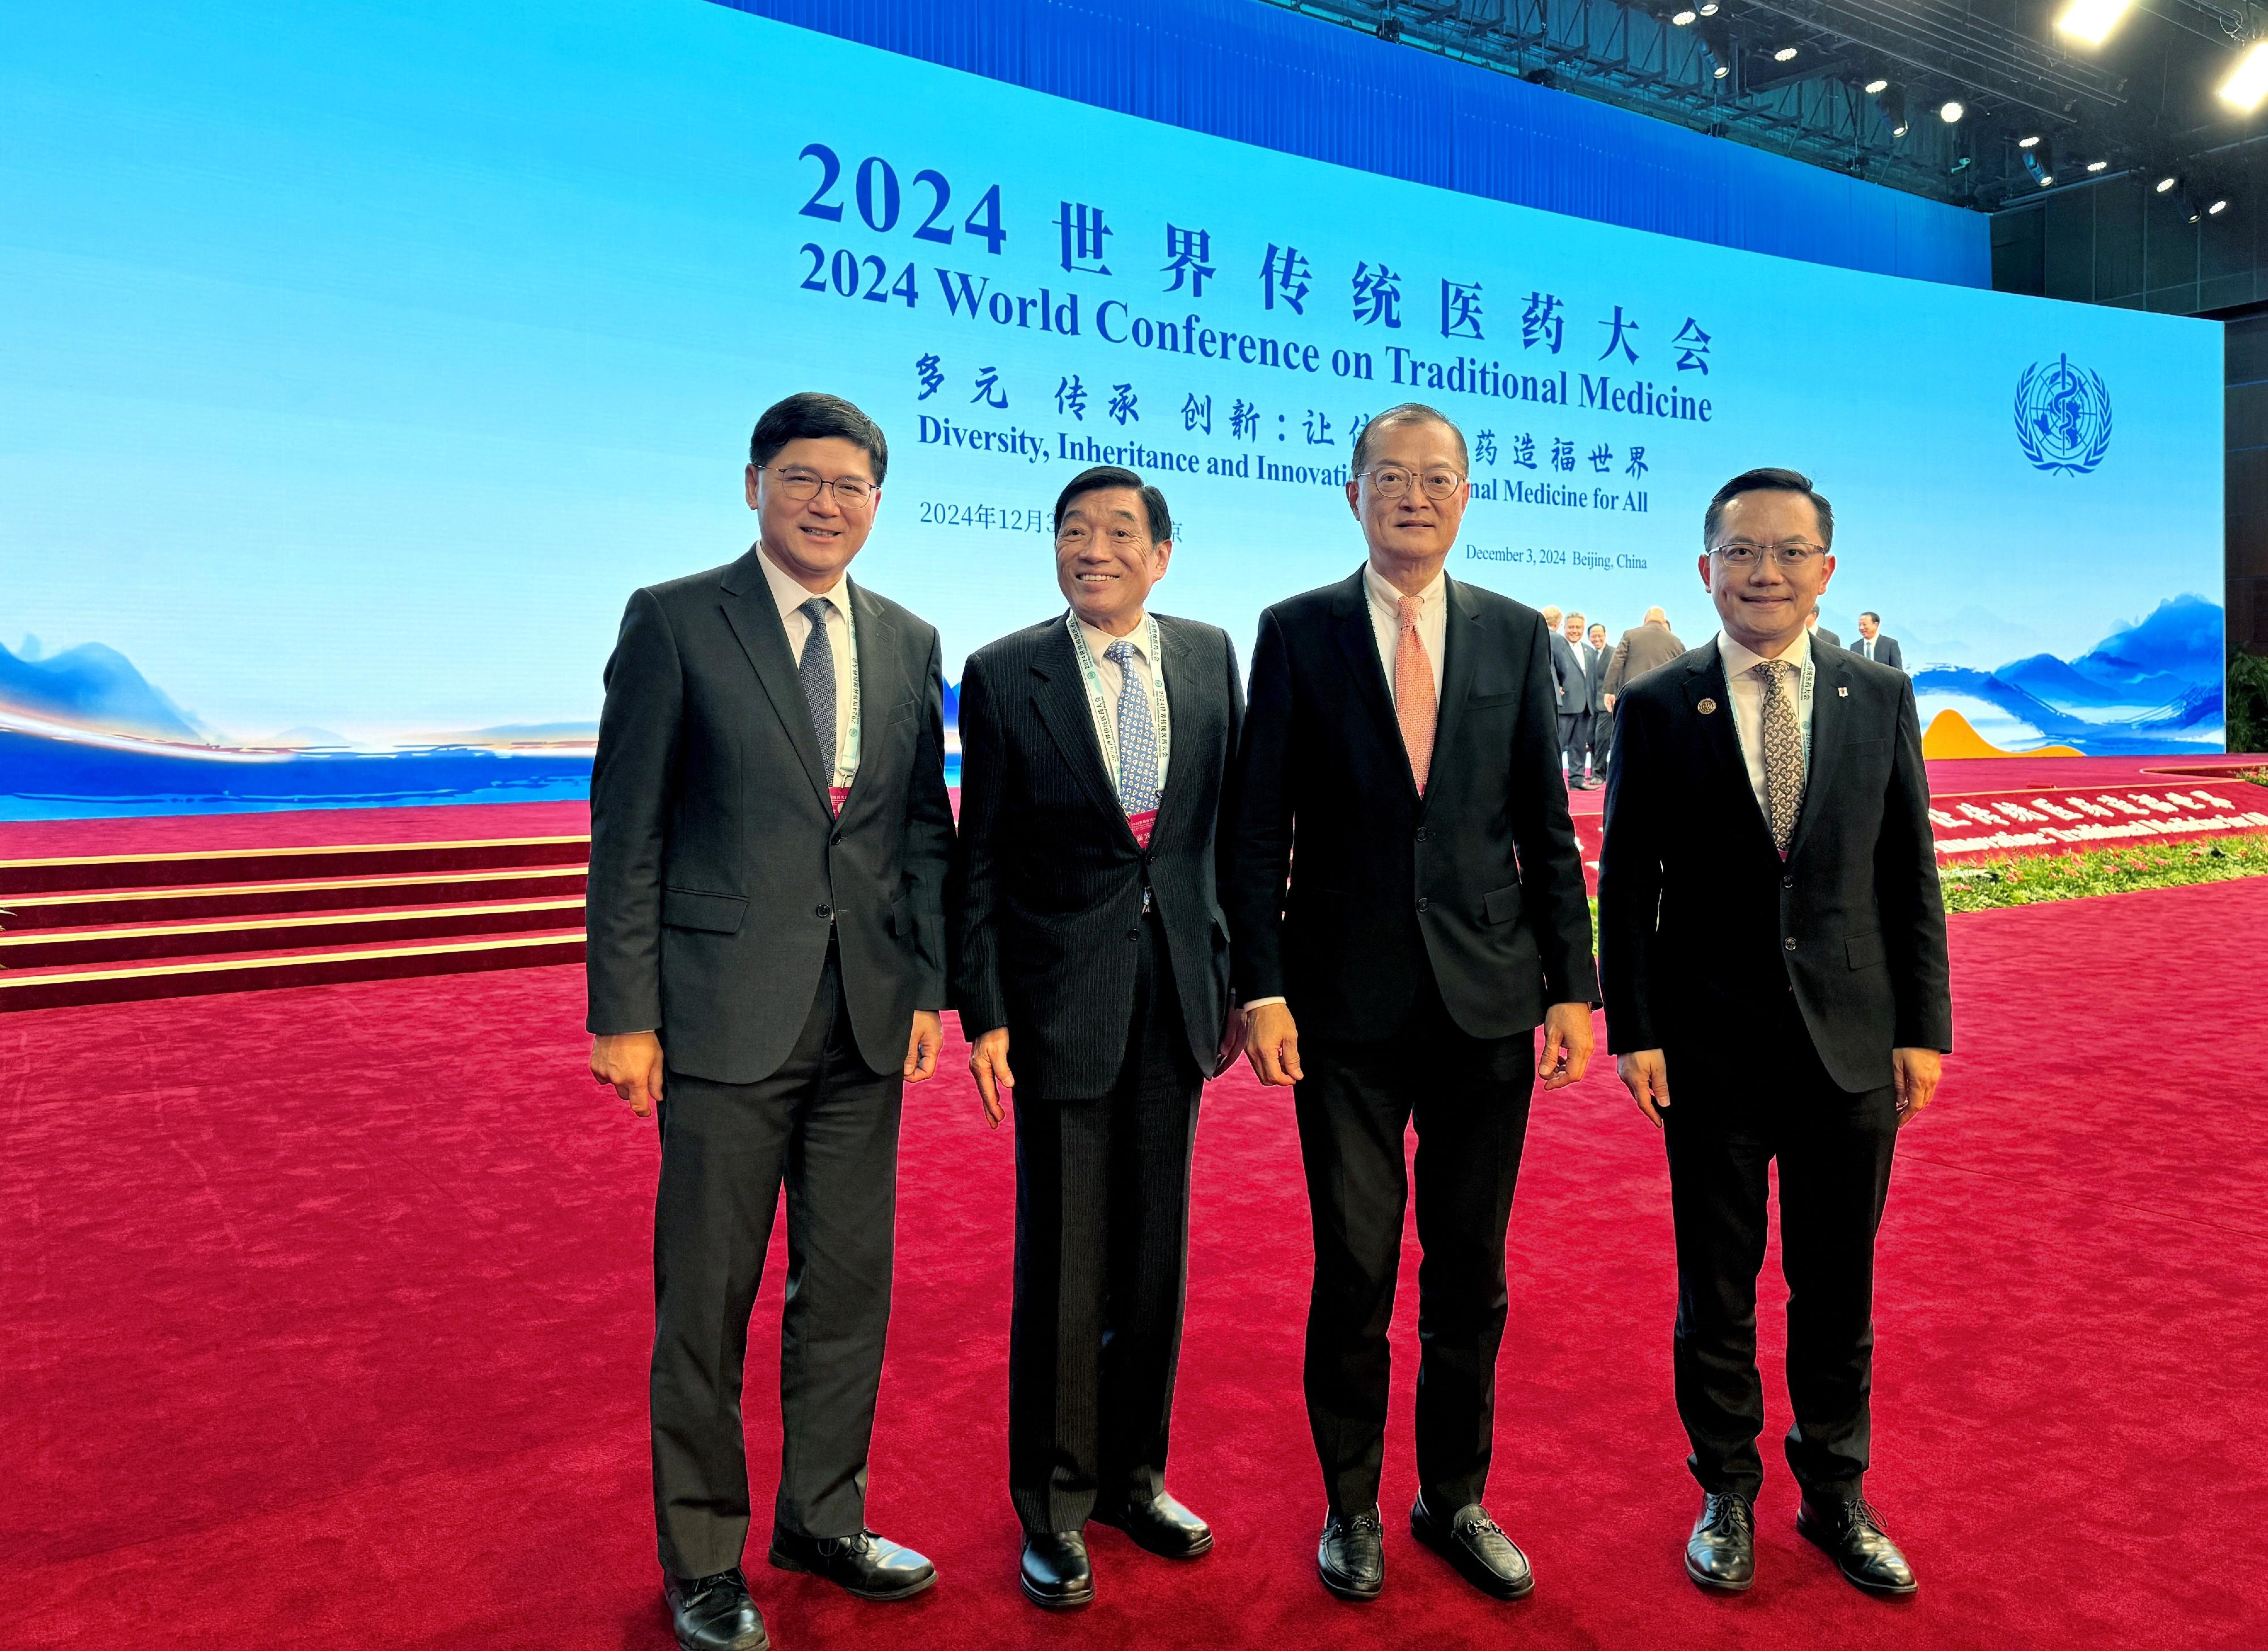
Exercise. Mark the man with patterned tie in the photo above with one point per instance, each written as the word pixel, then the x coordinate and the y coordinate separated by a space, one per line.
pixel 1088 948
pixel 1403 737
pixel 1772 940
pixel 770 837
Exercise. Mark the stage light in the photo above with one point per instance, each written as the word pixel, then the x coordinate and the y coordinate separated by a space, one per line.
pixel 2097 166
pixel 1785 54
pixel 1951 111
pixel 1709 10
pixel 2248 84
pixel 2092 20
pixel 1899 130
pixel 2047 180
pixel 2216 209
pixel 1684 18
pixel 2033 141
pixel 1720 71
pixel 1876 87
pixel 1892 101
pixel 2165 184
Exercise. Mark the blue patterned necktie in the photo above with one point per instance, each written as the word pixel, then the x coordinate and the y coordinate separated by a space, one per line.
pixel 1137 735
pixel 817 673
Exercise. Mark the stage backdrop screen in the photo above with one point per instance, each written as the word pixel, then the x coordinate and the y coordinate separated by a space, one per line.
pixel 360 359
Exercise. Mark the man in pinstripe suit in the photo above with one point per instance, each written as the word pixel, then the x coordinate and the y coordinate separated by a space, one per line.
pixel 1086 935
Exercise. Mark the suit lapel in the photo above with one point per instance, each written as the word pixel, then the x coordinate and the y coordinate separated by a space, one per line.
pixel 1059 696
pixel 1460 658
pixel 881 688
pixel 755 622
pixel 1705 681
pixel 1829 710
pixel 1358 641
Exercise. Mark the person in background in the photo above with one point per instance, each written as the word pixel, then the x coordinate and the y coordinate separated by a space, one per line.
pixel 1599 661
pixel 1821 635
pixel 1772 945
pixel 1575 694
pixel 1873 644
pixel 1095 750
pixel 1647 646
pixel 1578 741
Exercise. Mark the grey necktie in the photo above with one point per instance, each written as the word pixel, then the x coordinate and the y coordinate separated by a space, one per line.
pixel 816 671
pixel 1783 751
pixel 1137 735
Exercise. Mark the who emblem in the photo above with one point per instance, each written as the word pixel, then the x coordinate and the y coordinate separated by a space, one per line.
pixel 2062 416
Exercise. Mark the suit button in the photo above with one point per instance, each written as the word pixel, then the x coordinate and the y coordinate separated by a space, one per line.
pixel 1421 902
pixel 1134 934
pixel 1149 858
pixel 835 841
pixel 1791 942
pixel 1421 834
pixel 829 912
pixel 1787 882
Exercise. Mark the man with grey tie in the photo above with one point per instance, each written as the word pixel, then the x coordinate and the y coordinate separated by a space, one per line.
pixel 769 835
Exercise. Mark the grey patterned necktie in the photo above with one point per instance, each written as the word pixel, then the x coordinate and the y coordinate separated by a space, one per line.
pixel 1137 735
pixel 1783 750
pixel 816 671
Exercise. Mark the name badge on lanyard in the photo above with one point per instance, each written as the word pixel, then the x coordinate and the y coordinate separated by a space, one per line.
pixel 846 757
pixel 1104 715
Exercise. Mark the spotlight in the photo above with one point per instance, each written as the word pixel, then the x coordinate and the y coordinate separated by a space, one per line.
pixel 1785 54
pixel 2097 166
pixel 2165 185
pixel 2033 141
pixel 1389 29
pixel 2092 20
pixel 2216 209
pixel 1876 87
pixel 1709 10
pixel 2047 180
pixel 1720 71
pixel 1684 18
pixel 1951 111
pixel 1892 101
pixel 2039 160
pixel 2248 84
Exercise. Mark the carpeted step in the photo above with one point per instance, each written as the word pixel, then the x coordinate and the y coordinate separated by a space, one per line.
pixel 110 908
pixel 67 874
pixel 128 943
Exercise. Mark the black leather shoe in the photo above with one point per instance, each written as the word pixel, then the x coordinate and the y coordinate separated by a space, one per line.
pixel 1055 1575
pixel 714 1613
pixel 1161 1526
pixel 1721 1552
pixel 865 1566
pixel 1470 1540
pixel 1351 1556
pixel 1852 1533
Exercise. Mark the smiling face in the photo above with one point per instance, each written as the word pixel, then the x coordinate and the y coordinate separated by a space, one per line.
pixel 813 540
pixel 1573 631
pixel 1409 536
pixel 1598 635
pixel 1869 627
pixel 1765 605
pixel 1106 561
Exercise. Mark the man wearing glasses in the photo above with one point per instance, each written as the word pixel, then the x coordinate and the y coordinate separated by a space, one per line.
pixel 769 835
pixel 1772 940
pixel 1403 737
pixel 1088 948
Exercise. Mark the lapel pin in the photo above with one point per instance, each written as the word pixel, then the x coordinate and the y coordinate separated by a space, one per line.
pixel 1843 692
pixel 1706 706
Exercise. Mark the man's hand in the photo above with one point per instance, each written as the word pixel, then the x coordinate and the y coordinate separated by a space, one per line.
pixel 1917 1072
pixel 1607 700
pixel 1232 1040
pixel 988 1064
pixel 1271 1044
pixel 1567 1045
pixel 922 1045
pixel 630 1064
pixel 1645 1074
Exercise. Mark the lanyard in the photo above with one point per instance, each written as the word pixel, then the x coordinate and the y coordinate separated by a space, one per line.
pixel 1105 715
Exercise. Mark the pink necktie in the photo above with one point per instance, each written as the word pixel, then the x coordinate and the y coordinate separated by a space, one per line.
pixel 1413 694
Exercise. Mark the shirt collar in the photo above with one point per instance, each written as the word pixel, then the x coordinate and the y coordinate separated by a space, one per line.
pixel 791 596
pixel 1387 597
pixel 1099 642
pixel 1739 661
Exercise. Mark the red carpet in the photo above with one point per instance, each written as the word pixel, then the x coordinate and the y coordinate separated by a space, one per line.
pixel 327 1313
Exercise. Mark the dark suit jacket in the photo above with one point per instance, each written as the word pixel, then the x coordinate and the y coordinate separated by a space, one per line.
pixel 1643 648
pixel 1698 914
pixel 1568 674
pixel 717 871
pixel 1822 634
pixel 1595 664
pixel 1885 651
pixel 1046 884
pixel 1480 881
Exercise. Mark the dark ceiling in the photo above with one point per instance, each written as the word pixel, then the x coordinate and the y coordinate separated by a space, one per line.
pixel 2143 103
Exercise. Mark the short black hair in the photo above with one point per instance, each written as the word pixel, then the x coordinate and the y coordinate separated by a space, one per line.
pixel 813 415
pixel 1871 613
pixel 1767 481
pixel 1102 476
pixel 1407 413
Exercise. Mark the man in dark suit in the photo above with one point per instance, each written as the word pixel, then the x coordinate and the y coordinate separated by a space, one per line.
pixel 1771 938
pixel 1647 646
pixel 1403 737
pixel 1821 636
pixel 1873 644
pixel 1597 661
pixel 1087 938
pixel 769 834
pixel 1573 694
pixel 1579 745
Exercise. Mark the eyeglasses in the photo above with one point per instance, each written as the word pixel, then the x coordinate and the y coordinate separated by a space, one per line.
pixel 1794 556
pixel 1391 481
pixel 802 486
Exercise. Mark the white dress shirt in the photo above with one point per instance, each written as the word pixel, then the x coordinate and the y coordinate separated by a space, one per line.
pixel 1386 623
pixel 1747 690
pixel 1113 682
pixel 842 639
pixel 1866 645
